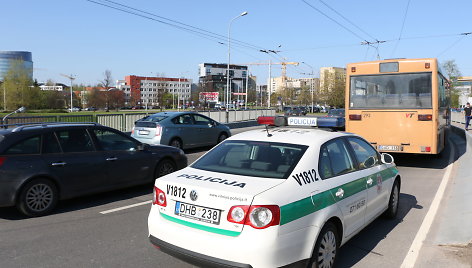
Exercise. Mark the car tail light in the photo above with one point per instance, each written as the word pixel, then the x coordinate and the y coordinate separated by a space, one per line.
pixel 132 131
pixel 425 117
pixel 158 130
pixel 237 214
pixel 258 217
pixel 355 117
pixel 2 160
pixel 159 197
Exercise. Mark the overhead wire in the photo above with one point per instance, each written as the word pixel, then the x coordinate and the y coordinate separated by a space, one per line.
pixel 346 19
pixel 173 23
pixel 401 30
pixel 333 20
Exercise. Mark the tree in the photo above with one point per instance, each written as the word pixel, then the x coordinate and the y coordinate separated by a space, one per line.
pixel 333 91
pixel 116 98
pixel 454 73
pixel 18 86
pixel 107 79
pixel 304 98
pixel 96 98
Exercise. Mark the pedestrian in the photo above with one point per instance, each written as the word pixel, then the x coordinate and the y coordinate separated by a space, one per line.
pixel 467 112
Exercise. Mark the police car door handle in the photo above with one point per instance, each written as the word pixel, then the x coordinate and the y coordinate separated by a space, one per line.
pixel 111 159
pixel 58 164
pixel 369 181
pixel 340 193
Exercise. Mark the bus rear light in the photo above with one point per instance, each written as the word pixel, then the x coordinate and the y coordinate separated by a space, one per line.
pixel 2 160
pixel 425 117
pixel 159 197
pixel 425 149
pixel 355 117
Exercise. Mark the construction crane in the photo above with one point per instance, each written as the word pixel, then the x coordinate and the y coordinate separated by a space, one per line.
pixel 283 63
pixel 284 73
pixel 71 77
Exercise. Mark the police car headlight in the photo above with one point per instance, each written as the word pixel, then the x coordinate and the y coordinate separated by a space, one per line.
pixel 238 214
pixel 260 217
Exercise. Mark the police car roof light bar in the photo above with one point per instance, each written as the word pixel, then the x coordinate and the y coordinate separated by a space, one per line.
pixel 302 121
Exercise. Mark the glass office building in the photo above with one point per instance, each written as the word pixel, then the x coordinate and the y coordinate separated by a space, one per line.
pixel 7 57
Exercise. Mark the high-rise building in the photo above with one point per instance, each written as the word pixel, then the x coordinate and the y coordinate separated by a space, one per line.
pixel 8 57
pixel 212 78
pixel 329 76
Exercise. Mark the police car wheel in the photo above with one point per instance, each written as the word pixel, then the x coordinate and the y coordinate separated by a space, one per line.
pixel 326 247
pixel 37 198
pixel 393 202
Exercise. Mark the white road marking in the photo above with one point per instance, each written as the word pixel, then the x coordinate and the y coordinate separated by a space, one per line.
pixel 126 207
pixel 413 252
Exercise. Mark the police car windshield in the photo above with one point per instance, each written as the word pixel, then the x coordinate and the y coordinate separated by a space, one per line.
pixel 252 158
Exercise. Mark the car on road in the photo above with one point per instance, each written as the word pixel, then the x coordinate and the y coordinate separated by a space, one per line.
pixel 336 113
pixel 180 129
pixel 293 111
pixel 43 163
pixel 285 195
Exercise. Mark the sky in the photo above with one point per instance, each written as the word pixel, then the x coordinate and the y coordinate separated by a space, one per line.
pixel 170 38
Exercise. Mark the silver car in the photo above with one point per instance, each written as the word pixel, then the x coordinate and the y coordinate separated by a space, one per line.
pixel 180 129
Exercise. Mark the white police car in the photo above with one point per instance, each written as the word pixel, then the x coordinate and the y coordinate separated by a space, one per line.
pixel 274 197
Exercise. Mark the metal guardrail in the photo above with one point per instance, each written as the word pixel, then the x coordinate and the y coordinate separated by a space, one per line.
pixel 458 117
pixel 125 122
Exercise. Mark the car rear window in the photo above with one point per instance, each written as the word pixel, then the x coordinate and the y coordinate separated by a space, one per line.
pixel 149 121
pixel 153 118
pixel 252 158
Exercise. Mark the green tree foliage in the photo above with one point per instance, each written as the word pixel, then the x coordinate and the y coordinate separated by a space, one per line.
pixel 333 91
pixel 453 72
pixel 18 87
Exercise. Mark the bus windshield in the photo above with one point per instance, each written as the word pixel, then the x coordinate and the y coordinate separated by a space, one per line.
pixel 391 91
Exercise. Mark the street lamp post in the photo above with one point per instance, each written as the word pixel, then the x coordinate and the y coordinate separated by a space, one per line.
pixel 228 90
pixel 311 86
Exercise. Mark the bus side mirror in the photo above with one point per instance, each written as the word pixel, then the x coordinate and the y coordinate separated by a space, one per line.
pixel 387 158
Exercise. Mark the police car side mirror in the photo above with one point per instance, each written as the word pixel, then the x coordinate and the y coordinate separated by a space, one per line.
pixel 369 162
pixel 386 158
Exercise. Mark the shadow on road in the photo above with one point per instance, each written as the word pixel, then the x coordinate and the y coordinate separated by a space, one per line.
pixel 441 161
pixel 85 202
pixel 363 243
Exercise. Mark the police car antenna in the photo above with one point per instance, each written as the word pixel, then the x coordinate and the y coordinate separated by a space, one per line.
pixel 267 129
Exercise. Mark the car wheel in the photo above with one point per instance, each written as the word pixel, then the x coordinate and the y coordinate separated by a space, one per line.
pixel 326 247
pixel 37 198
pixel 393 202
pixel 164 167
pixel 176 143
pixel 222 137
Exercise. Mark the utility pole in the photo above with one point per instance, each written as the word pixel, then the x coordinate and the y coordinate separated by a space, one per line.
pixel 71 77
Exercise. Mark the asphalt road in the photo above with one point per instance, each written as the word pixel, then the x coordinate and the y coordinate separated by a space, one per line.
pixel 78 234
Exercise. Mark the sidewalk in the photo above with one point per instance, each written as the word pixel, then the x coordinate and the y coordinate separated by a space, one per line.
pixel 449 242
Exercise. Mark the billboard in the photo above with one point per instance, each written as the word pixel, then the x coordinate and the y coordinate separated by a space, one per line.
pixel 208 96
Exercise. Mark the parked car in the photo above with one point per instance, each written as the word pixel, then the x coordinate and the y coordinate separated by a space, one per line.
pixel 74 109
pixel 91 109
pixel 180 129
pixel 293 111
pixel 41 164
pixel 336 113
